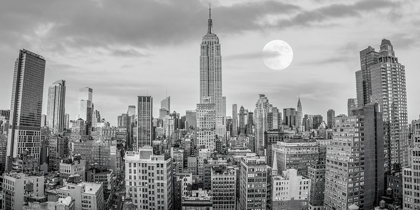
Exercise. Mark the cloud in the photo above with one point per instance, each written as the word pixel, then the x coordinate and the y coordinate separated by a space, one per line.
pixel 344 54
pixel 127 53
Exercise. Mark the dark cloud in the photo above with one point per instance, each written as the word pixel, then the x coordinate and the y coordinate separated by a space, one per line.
pixel 59 25
pixel 344 54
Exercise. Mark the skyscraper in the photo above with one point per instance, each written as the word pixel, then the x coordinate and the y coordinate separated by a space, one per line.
pixel 351 104
pixel 66 121
pixel 166 104
pixel 56 106
pixel 299 116
pixel 260 116
pixel 382 79
pixel 330 118
pixel 289 117
pixel 206 124
pixel 354 169
pixel 26 106
pixel 411 174
pixel 144 122
pixel 242 120
pixel 211 75
pixel 234 120
pixel 85 104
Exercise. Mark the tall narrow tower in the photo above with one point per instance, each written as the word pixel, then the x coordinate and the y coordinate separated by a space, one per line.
pixel 26 106
pixel 211 75
pixel 56 106
pixel 299 116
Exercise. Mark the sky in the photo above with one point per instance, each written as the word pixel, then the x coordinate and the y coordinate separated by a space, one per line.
pixel 124 49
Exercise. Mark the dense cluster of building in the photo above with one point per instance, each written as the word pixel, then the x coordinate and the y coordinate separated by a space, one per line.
pixel 368 158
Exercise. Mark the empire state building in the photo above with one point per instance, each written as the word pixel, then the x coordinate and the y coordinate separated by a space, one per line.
pixel 211 76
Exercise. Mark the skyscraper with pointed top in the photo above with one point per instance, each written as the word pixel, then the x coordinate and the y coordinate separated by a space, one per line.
pixel 211 75
pixel 299 116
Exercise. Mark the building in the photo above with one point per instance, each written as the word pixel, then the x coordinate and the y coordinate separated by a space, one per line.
pixel 223 187
pixel 43 120
pixel 73 166
pixel 166 104
pixel 86 195
pixel 144 122
pixel 253 182
pixel 296 154
pixel 242 120
pixel 57 149
pixel 354 170
pixel 148 179
pixel 330 118
pixel 381 79
pixel 86 105
pixel 261 125
pixel 96 153
pixel 299 116
pixel 19 188
pixel 191 121
pixel 206 124
pixel 123 120
pixel 411 188
pixel 234 120
pixel 289 190
pixel 198 200
pixel 351 104
pixel 26 106
pixel 56 106
pixel 177 155
pixel 211 74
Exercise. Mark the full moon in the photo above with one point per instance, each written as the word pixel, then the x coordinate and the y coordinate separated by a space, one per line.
pixel 277 55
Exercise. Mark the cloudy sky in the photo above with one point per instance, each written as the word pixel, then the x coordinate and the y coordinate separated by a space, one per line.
pixel 127 48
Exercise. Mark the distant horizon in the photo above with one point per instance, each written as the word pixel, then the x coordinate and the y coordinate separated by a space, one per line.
pixel 153 46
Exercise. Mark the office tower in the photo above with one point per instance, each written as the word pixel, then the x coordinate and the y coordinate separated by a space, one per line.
pixel 211 75
pixel 250 123
pixel 381 79
pixel 289 117
pixel 20 187
pixel 411 189
pixel 166 104
pixel 85 104
pixel 123 120
pixel 260 116
pixel 317 120
pixel 66 121
pixel 253 191
pixel 86 195
pixel 206 124
pixel 26 106
pixel 242 120
pixel 286 154
pixel 131 112
pixel 234 120
pixel 224 106
pixel 351 104
pixel 223 187
pixel 144 122
pixel 299 116
pixel 354 169
pixel 191 119
pixel 43 120
pixel 330 118
pixel 148 177
pixel 56 106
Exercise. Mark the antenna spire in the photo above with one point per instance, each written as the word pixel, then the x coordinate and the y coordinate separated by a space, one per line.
pixel 210 22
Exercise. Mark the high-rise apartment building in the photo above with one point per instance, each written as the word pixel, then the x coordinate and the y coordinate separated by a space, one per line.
pixel 354 170
pixel 411 174
pixel 382 80
pixel 253 182
pixel 56 106
pixel 26 106
pixel 351 104
pixel 206 124
pixel 211 75
pixel 234 120
pixel 148 179
pixel 144 122
pixel 330 118
pixel 260 120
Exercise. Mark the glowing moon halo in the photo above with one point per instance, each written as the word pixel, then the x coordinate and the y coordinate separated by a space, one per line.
pixel 277 55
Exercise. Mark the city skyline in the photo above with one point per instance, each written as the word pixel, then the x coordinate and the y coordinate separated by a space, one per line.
pixel 132 67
